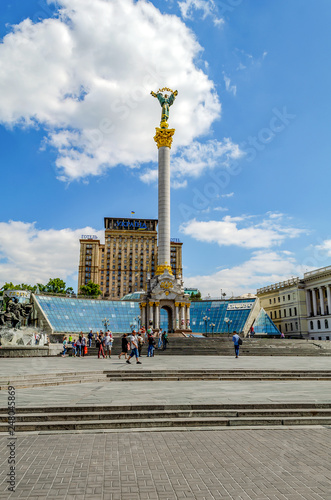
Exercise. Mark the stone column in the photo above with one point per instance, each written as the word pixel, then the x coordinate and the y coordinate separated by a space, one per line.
pixel 151 318
pixel 177 304
pixel 328 293
pixel 308 303
pixel 188 316
pixel 163 139
pixel 313 292
pixel 183 319
pixel 321 300
pixel 143 314
pixel 157 315
pixel 163 251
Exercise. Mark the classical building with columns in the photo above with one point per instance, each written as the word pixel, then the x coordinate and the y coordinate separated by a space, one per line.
pixel 285 304
pixel 318 299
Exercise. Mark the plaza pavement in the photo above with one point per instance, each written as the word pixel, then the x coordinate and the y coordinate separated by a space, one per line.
pixel 235 464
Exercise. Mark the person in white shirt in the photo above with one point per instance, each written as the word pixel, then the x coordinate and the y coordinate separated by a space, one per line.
pixel 134 348
pixel 108 343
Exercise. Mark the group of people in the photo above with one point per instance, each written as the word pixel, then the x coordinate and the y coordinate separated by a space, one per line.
pixel 132 345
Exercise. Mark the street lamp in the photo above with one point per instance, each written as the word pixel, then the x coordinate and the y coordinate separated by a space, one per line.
pixel 212 326
pixel 228 322
pixel 106 323
pixel 206 319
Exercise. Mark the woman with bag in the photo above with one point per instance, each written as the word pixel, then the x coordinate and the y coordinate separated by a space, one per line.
pixel 124 346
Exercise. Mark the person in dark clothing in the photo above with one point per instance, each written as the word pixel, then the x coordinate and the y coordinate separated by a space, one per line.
pixel 164 340
pixel 151 345
pixel 124 346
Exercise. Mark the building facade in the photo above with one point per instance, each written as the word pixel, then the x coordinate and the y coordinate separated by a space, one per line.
pixel 318 300
pixel 127 259
pixel 285 304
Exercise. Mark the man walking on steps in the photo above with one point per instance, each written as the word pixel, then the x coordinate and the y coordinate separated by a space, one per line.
pixel 134 348
pixel 237 342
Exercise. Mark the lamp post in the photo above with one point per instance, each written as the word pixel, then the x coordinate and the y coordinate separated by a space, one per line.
pixel 212 326
pixel 106 323
pixel 206 319
pixel 228 322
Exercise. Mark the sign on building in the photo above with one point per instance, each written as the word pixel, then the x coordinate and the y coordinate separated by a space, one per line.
pixel 239 305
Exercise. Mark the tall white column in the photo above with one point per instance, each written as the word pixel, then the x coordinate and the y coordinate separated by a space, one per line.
pixel 308 303
pixel 328 294
pixel 321 300
pixel 143 315
pixel 313 293
pixel 183 319
pixel 163 252
pixel 177 315
pixel 151 318
pixel 188 315
pixel 157 315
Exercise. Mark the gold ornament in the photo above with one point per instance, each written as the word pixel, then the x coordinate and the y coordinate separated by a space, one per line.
pixel 160 270
pixel 163 137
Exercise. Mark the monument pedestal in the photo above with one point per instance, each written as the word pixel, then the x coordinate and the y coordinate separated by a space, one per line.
pixel 166 292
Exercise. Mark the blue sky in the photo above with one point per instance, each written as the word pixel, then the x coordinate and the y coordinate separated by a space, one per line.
pixel 251 153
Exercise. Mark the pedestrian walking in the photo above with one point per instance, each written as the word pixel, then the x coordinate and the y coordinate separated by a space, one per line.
pixel 151 345
pixel 159 343
pixel 134 348
pixel 141 342
pixel 64 343
pixel 99 344
pixel 108 343
pixel 79 347
pixel 90 337
pixel 125 346
pixel 164 340
pixel 83 346
pixel 73 351
pixel 237 342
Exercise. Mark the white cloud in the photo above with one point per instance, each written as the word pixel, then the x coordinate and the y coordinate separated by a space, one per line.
pixel 324 249
pixel 239 232
pixel 228 87
pixel 227 195
pixel 220 209
pixel 208 8
pixel 194 160
pixel 85 78
pixel 262 269
pixel 32 255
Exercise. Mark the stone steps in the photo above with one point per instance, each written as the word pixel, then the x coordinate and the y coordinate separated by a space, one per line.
pixel 133 374
pixel 155 417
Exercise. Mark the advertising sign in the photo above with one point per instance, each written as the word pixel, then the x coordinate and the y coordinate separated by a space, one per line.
pixel 240 305
pixel 21 295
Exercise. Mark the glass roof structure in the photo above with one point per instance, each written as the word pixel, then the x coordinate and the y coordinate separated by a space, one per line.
pixel 263 324
pixel 75 315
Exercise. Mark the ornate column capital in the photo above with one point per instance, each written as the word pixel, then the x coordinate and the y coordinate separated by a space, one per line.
pixel 177 304
pixel 163 137
pixel 151 303
pixel 143 304
pixel 157 304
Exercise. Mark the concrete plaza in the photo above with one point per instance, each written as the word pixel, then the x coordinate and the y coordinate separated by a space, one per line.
pixel 230 464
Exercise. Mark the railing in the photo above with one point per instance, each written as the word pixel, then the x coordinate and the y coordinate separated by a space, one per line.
pixel 318 271
pixel 277 286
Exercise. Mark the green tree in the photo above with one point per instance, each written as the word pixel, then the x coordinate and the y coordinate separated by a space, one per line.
pixel 22 286
pixel 55 285
pixel 91 289
pixel 196 296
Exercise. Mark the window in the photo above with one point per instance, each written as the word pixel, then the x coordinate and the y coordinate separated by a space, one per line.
pixel 326 323
pixel 327 338
pixel 295 311
pixel 278 299
pixel 286 327
pixel 274 300
pixel 318 325
pixel 284 313
pixel 311 325
pixel 291 327
pixel 283 298
pixel 290 312
pixel 289 297
pixel 270 314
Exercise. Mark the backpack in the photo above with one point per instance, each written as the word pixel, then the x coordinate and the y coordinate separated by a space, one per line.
pixel 240 341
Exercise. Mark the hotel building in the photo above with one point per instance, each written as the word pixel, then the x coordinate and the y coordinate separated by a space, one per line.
pixel 127 259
